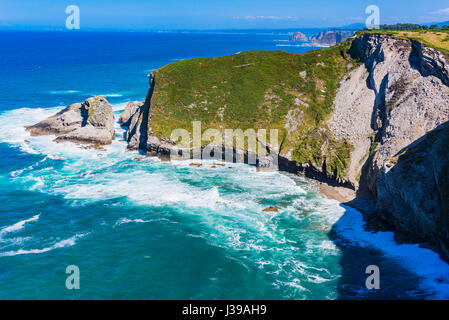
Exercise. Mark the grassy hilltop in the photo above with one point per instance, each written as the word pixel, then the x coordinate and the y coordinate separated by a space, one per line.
pixel 438 39
pixel 258 89
pixel 293 93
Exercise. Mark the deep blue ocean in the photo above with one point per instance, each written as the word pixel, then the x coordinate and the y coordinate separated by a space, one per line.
pixel 166 230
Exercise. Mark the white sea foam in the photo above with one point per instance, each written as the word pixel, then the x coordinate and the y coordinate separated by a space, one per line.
pixel 289 45
pixel 18 225
pixel 234 220
pixel 422 262
pixel 119 107
pixel 126 221
pixel 60 244
pixel 62 92
pixel 111 95
pixel 13 122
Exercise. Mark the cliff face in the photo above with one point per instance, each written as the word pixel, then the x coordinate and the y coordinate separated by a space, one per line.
pixel 397 96
pixel 330 38
pixel 395 111
pixel 371 113
pixel 413 193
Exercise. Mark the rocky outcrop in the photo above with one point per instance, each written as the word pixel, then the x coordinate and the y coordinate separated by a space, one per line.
pixel 395 98
pixel 299 36
pixel 136 118
pixel 130 110
pixel 393 108
pixel 132 117
pixel 330 38
pixel 411 98
pixel 89 122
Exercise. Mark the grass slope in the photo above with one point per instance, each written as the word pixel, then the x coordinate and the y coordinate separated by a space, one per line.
pixel 262 90
pixel 438 39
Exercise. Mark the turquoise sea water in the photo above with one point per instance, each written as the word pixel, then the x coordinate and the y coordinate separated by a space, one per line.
pixel 164 230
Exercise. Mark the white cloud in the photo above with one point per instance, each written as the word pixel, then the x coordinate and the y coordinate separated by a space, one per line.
pixel 442 11
pixel 266 18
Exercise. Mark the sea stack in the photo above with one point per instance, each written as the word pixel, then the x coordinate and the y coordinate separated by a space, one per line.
pixel 90 122
pixel 298 36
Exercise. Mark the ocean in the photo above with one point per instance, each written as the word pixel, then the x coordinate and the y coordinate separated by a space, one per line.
pixel 165 230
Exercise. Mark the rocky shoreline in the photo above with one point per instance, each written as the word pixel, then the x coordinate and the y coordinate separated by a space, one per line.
pixel 392 109
pixel 323 39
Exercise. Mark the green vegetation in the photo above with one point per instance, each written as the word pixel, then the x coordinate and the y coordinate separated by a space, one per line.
pixel 438 38
pixel 95 114
pixel 373 146
pixel 409 26
pixel 404 26
pixel 334 154
pixel 262 90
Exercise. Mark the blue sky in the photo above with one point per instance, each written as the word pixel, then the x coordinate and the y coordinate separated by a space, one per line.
pixel 213 14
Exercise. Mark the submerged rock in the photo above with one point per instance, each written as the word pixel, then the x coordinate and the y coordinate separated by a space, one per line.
pixel 270 209
pixel 195 165
pixel 90 122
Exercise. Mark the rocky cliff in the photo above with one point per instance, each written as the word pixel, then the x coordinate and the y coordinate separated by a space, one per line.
pixel 370 113
pixel 413 193
pixel 330 38
pixel 398 95
pixel 299 36
pixel 394 108
pixel 90 122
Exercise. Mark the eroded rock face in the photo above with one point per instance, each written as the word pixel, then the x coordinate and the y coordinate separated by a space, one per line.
pixel 298 36
pixel 130 109
pixel 89 122
pixel 395 98
pixel 413 192
pixel 353 112
pixel 395 111
pixel 132 117
pixel 330 38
